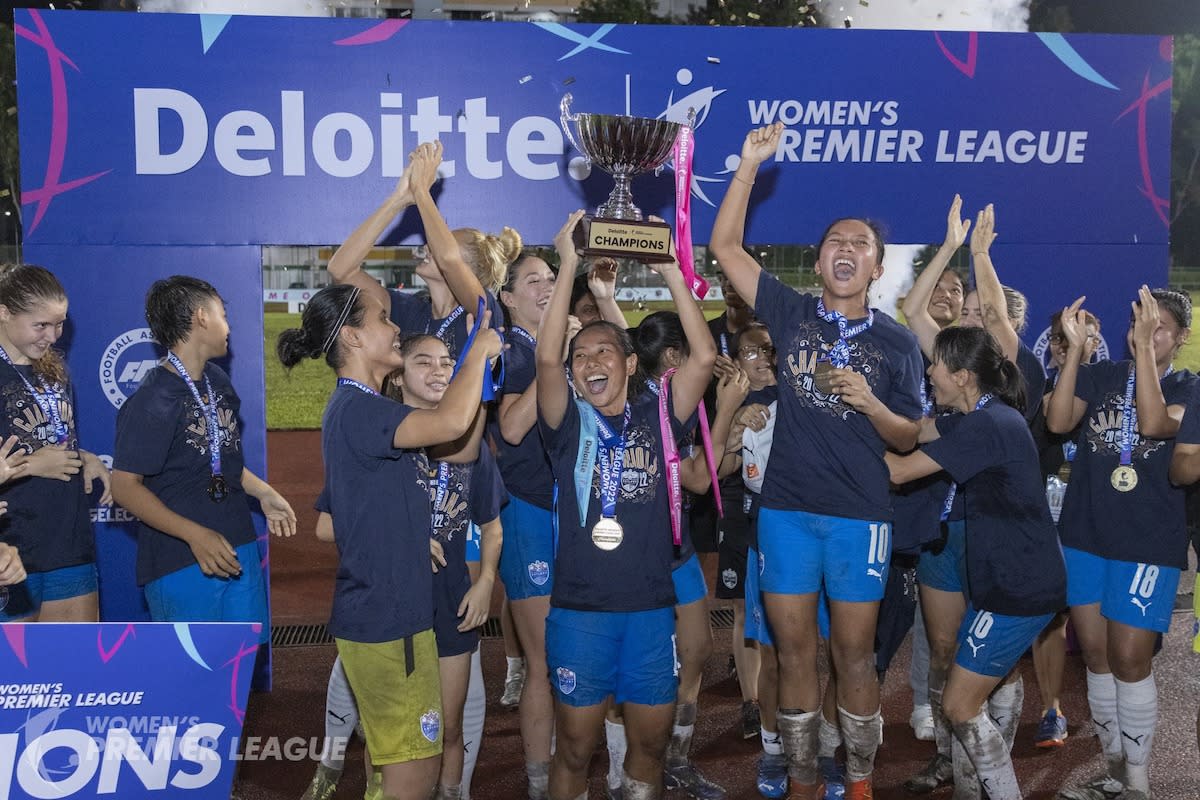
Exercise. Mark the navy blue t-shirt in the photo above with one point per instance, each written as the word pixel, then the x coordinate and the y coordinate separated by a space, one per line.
pixel 473 494
pixel 1145 525
pixel 636 576
pixel 161 435
pixel 1014 561
pixel 1031 369
pixel 919 504
pixel 48 520
pixel 413 313
pixel 827 458
pixel 380 499
pixel 524 467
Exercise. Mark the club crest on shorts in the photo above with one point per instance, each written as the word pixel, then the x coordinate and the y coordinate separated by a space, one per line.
pixel 729 578
pixel 431 724
pixel 566 680
pixel 539 572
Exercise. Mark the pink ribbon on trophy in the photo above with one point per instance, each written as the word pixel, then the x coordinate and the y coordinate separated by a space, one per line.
pixel 684 147
pixel 671 457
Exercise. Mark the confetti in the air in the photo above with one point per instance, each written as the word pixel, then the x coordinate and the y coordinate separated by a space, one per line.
pixel 714 60
pixel 568 81
pixel 525 79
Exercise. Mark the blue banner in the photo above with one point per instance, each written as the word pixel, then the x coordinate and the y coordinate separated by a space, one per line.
pixel 127 710
pixel 289 131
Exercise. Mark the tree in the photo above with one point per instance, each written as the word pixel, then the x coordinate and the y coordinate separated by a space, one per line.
pixel 10 175
pixel 628 12
pixel 765 13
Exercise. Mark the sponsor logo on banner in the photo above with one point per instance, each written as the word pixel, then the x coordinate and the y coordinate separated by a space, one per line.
pixel 566 680
pixel 125 361
pixel 431 724
pixel 1041 349
pixel 539 572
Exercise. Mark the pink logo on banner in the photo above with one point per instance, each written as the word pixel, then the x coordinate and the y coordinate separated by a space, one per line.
pixel 106 655
pixel 375 34
pixel 15 634
pixel 51 187
pixel 965 67
pixel 1161 205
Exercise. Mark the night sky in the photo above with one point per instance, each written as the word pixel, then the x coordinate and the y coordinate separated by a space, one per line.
pixel 1133 16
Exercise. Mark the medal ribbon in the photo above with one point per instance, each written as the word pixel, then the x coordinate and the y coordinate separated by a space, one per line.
pixel 362 387
pixel 725 344
pixel 585 458
pixel 1128 418
pixel 440 486
pixel 446 323
pixel 46 399
pixel 491 386
pixel 983 401
pixel 839 353
pixel 212 426
pixel 684 150
pixel 524 334
pixel 611 455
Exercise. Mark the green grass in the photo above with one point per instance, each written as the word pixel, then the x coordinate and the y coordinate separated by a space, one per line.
pixel 296 401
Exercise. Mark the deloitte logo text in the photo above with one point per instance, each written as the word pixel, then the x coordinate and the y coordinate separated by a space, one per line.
pixel 125 362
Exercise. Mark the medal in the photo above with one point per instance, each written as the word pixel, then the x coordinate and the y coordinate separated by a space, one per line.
pixel 217 489
pixel 607 534
pixel 823 377
pixel 1064 472
pixel 1124 478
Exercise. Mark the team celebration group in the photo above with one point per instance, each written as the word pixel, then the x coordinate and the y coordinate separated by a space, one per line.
pixel 511 424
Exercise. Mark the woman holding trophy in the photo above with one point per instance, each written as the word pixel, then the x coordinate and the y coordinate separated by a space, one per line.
pixel 609 633
pixel 848 390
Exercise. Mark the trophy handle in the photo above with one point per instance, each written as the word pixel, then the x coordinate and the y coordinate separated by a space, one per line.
pixel 564 117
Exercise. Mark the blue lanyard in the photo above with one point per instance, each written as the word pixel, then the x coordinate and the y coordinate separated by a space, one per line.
pixel 839 353
pixel 983 401
pixel 362 387
pixel 1128 417
pixel 491 384
pixel 46 399
pixel 440 487
pixel 611 456
pixel 724 344
pixel 524 334
pixel 212 425
pixel 926 403
pixel 446 323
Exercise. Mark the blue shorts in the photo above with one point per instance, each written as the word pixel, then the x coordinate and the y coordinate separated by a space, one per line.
pixel 527 555
pixel 689 582
pixel 25 599
pixel 448 593
pixel 628 655
pixel 474 534
pixel 946 571
pixel 758 627
pixel 1138 595
pixel 801 552
pixel 188 595
pixel 991 644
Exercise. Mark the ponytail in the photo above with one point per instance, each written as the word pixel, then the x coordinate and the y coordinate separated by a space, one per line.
pixel 324 316
pixel 978 352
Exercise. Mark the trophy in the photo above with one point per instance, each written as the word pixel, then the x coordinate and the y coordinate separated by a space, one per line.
pixel 622 146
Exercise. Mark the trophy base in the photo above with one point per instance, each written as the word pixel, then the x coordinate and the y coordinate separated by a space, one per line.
pixel 648 242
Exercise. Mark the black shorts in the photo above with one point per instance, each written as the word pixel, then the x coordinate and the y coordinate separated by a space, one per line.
pixel 733 541
pixel 448 594
pixel 702 520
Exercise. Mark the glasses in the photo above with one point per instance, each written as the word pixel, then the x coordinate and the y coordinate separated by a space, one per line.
pixel 1059 338
pixel 753 352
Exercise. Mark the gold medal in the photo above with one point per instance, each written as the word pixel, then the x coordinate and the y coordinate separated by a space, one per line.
pixel 823 377
pixel 608 534
pixel 1124 478
pixel 1064 472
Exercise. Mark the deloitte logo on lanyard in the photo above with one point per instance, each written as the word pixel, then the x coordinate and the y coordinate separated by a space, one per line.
pixel 839 353
pixel 218 490
pixel 46 400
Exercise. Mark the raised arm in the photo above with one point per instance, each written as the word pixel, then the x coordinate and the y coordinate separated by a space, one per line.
pixel 457 412
pixel 602 282
pixel 916 303
pixel 346 264
pixel 1155 419
pixel 1063 409
pixel 691 380
pixel 992 304
pixel 731 391
pixel 463 283
pixel 730 226
pixel 553 393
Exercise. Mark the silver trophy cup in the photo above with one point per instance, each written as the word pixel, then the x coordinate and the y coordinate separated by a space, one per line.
pixel 622 146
